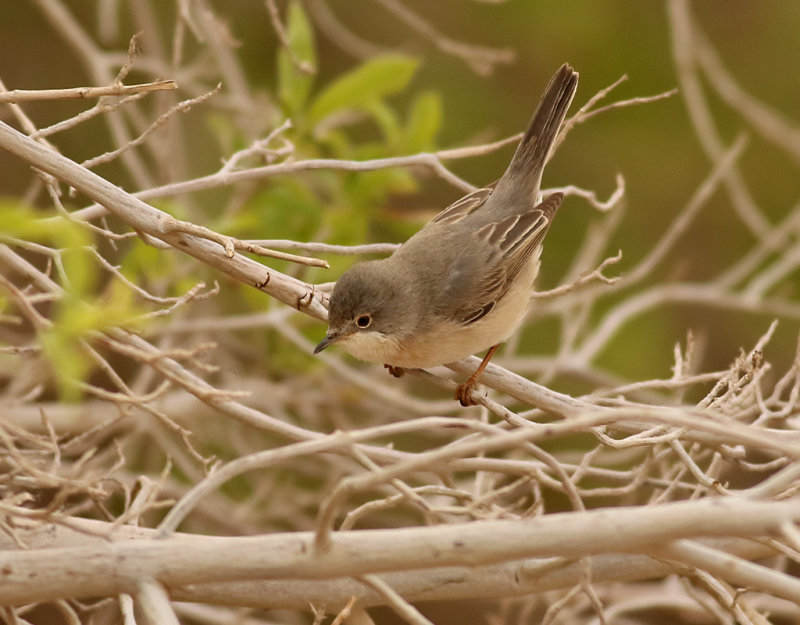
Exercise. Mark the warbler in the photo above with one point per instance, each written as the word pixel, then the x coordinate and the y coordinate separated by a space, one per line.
pixel 462 283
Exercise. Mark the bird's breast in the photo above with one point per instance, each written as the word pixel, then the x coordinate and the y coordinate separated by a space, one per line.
pixel 445 340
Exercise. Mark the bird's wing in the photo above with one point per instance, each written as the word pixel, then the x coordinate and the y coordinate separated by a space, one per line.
pixel 467 205
pixel 505 247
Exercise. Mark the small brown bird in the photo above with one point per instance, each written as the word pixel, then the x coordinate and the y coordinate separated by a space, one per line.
pixel 462 283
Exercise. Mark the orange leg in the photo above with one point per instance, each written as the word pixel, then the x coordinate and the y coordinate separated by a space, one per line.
pixel 464 392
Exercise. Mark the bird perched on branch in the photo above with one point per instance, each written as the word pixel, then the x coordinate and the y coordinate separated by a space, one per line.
pixel 462 283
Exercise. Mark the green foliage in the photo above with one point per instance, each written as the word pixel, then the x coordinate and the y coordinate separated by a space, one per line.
pixel 79 311
pixel 424 121
pixel 340 208
pixel 286 209
pixel 143 262
pixel 291 207
pixel 222 127
pixel 362 89
pixel 387 120
pixel 368 83
pixel 294 85
pixel 77 316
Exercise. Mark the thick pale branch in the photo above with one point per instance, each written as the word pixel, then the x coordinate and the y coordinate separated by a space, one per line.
pixel 114 567
pixel 512 578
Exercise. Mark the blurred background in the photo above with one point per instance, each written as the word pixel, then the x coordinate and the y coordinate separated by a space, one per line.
pixel 390 79
pixel 653 145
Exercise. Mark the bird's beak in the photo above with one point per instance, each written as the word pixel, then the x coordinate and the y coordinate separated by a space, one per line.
pixel 331 337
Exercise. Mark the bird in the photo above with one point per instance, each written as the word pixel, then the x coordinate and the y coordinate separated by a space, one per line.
pixel 462 283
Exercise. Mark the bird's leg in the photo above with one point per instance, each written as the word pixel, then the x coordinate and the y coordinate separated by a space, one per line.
pixel 397 372
pixel 464 391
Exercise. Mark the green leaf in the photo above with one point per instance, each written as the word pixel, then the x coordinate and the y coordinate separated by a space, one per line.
pixel 287 209
pixel 23 222
pixel 80 268
pixel 369 189
pixel 337 142
pixel 370 81
pixel 76 316
pixel 294 85
pixel 67 360
pixel 387 119
pixel 424 120
pixel 80 309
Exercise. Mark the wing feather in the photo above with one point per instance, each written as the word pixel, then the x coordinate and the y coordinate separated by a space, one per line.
pixel 467 205
pixel 509 245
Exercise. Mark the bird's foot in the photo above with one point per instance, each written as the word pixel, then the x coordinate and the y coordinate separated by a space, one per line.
pixel 464 392
pixel 397 372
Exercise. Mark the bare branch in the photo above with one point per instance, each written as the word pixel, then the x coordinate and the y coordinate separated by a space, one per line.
pixel 480 59
pixel 135 401
pixel 84 93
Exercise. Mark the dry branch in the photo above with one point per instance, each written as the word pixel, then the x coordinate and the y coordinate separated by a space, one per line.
pixel 111 568
pixel 203 411
pixel 29 95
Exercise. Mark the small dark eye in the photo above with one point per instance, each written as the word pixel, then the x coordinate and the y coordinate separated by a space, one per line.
pixel 363 321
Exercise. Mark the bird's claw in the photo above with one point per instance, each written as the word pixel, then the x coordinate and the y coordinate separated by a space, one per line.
pixel 397 372
pixel 464 393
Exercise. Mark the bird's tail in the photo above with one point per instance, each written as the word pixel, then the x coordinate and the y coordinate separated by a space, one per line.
pixel 524 173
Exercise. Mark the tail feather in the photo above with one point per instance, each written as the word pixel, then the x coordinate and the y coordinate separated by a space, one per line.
pixel 523 176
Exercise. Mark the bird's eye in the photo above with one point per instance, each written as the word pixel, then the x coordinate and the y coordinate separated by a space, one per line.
pixel 363 321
